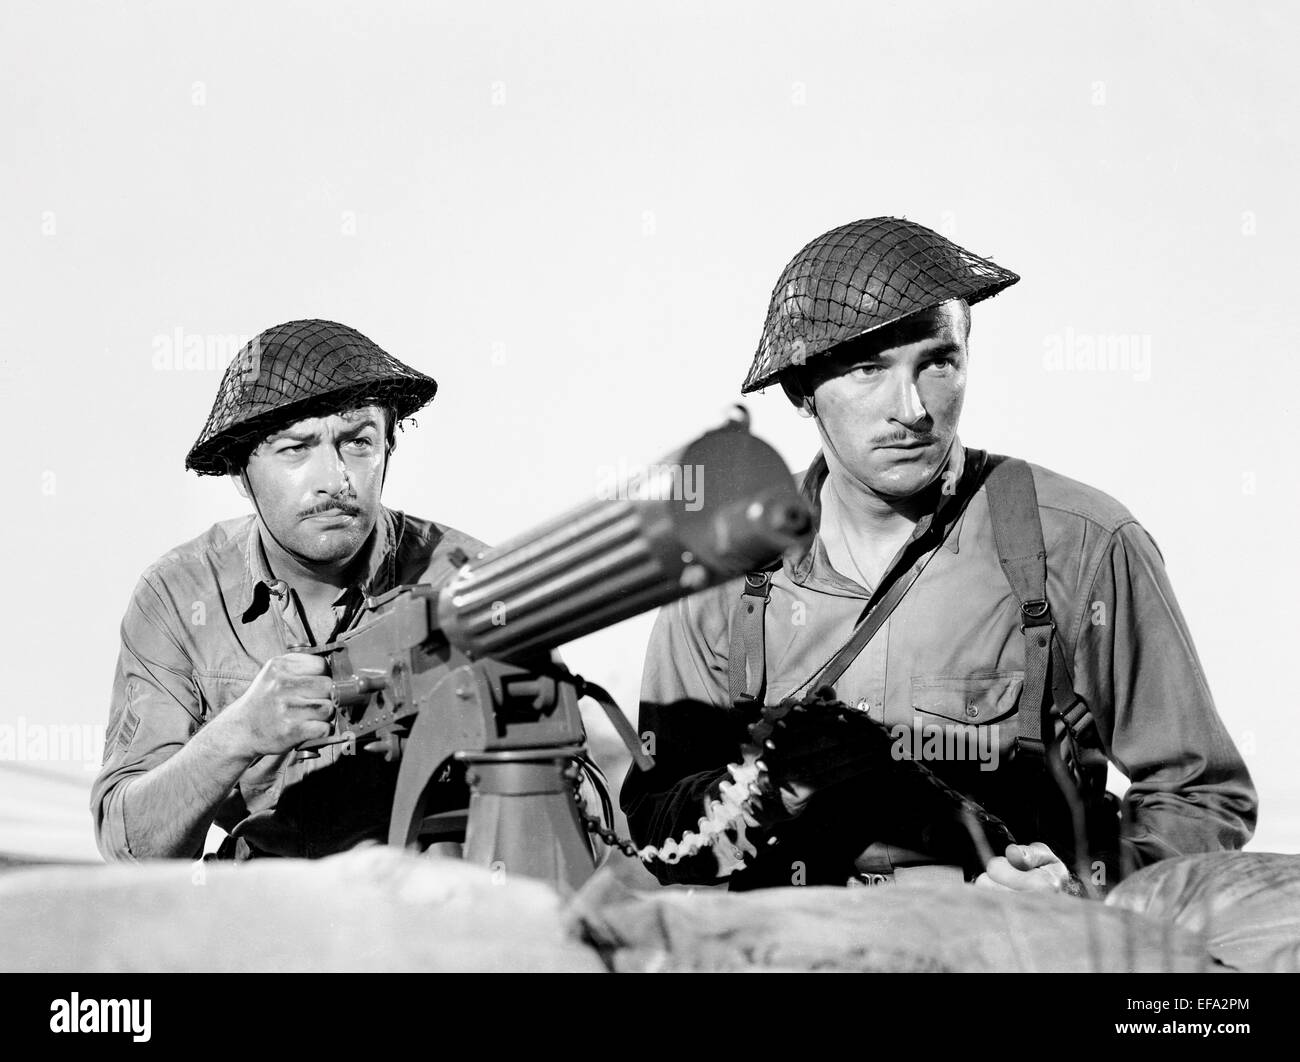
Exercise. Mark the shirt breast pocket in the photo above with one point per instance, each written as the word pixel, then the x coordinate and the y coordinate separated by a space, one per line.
pixel 982 706
pixel 220 689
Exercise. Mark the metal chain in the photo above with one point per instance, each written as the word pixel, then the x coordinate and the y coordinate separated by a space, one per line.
pixel 594 824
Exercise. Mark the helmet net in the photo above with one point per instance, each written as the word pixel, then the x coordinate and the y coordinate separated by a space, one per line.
pixel 297 370
pixel 860 277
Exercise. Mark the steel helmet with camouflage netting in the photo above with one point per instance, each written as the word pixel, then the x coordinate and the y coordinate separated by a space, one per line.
pixel 860 277
pixel 297 370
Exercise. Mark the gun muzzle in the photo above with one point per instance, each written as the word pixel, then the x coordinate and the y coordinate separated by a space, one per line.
pixel 723 505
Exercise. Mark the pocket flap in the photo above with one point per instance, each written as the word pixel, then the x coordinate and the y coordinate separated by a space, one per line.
pixel 983 697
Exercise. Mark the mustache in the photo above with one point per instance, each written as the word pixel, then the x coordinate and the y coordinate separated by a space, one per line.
pixel 343 505
pixel 904 438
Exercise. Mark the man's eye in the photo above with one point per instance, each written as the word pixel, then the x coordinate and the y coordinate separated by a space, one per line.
pixel 942 363
pixel 363 444
pixel 867 370
pixel 296 448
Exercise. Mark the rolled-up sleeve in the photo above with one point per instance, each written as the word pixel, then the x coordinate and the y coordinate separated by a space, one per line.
pixel 155 710
pixel 1136 666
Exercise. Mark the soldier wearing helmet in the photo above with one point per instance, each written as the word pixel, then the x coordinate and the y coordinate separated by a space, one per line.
pixel 948 593
pixel 211 695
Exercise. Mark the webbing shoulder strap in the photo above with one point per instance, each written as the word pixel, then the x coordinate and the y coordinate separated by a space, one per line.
pixel 747 655
pixel 1022 553
pixel 1018 533
pixel 747 663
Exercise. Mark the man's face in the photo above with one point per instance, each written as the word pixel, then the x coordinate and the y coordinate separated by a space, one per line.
pixel 887 405
pixel 317 483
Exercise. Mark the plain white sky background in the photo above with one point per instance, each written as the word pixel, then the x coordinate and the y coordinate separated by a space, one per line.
pixel 572 216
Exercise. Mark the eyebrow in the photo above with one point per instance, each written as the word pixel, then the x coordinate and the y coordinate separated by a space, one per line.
pixel 947 346
pixel 289 433
pixel 942 346
pixel 351 431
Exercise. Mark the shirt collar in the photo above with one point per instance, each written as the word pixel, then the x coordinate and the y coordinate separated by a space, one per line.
pixel 259 584
pixel 959 469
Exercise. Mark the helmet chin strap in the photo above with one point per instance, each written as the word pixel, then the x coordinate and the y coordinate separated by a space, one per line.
pixel 306 562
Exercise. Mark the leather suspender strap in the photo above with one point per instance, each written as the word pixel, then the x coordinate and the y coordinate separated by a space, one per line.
pixel 747 656
pixel 1018 532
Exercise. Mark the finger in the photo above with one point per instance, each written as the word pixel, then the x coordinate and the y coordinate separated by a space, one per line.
pixel 795 797
pixel 985 882
pixel 311 709
pixel 303 663
pixel 1040 855
pixel 1048 865
pixel 311 730
pixel 1001 872
pixel 308 687
pixel 1040 879
pixel 1030 856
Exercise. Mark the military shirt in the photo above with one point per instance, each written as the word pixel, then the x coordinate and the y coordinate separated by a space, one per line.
pixel 952 655
pixel 201 622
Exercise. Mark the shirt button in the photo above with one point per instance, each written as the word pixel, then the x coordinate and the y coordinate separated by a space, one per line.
pixel 971 710
pixel 863 705
pixel 279 588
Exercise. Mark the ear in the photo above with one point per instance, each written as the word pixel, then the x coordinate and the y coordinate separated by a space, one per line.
pixel 792 383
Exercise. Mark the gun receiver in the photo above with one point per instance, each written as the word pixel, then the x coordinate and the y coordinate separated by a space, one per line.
pixel 468 671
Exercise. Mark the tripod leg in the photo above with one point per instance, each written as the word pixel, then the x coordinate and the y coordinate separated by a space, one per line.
pixel 449 723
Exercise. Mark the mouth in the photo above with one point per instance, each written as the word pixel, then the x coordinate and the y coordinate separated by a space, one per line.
pixel 333 516
pixel 914 445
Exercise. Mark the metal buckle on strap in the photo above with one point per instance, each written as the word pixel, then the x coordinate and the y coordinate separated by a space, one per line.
pixel 863 880
pixel 1077 717
pixel 762 588
pixel 1031 747
pixel 1034 614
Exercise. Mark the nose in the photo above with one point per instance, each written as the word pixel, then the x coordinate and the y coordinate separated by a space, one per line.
pixel 907 407
pixel 332 475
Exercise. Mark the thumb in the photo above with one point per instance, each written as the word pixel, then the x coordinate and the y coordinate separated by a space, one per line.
pixel 1028 857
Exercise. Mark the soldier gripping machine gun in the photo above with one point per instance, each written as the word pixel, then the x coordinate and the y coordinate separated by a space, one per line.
pixel 468 672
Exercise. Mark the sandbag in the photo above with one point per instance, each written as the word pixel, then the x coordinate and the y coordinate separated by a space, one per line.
pixel 370 909
pixel 1245 904
pixel 887 929
pixel 380 908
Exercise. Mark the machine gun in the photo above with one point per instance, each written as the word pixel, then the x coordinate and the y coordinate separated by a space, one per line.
pixel 468 672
